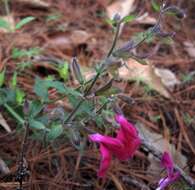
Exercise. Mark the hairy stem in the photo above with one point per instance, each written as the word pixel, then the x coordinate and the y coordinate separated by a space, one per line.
pixel 115 40
pixel 71 115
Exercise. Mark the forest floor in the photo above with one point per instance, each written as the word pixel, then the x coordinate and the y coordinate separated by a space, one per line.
pixel 63 29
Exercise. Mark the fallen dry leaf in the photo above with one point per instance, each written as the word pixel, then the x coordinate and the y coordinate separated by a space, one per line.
pixel 65 40
pixel 160 143
pixel 161 80
pixel 168 78
pixel 79 36
pixel 190 48
pixel 123 7
pixel 4 124
pixel 146 19
pixel 3 167
pixel 37 3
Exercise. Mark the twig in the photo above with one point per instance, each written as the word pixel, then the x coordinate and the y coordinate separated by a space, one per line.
pixel 136 183
pixel 22 168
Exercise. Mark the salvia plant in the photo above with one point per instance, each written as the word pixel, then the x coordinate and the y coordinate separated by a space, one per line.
pixel 43 121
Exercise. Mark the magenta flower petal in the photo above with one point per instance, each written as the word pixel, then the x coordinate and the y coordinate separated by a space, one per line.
pixel 164 182
pixel 123 146
pixel 128 129
pixel 129 149
pixel 113 144
pixel 166 162
pixel 128 135
pixel 105 160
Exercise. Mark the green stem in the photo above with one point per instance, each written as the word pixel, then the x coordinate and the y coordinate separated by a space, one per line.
pixel 6 4
pixel 83 99
pixel 71 115
pixel 14 114
pixel 115 40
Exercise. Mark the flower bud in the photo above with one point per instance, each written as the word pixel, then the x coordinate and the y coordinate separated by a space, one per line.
pixel 75 67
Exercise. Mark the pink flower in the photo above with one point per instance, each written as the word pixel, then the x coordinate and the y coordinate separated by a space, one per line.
pixel 123 146
pixel 167 163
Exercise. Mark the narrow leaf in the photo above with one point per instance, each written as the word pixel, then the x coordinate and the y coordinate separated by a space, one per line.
pixel 14 80
pixel 155 6
pixel 128 18
pixel 24 21
pixel 19 96
pixel 63 71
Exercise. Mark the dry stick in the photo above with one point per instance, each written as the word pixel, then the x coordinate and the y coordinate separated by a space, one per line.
pixel 181 124
pixel 136 183
pixel 22 172
pixel 158 155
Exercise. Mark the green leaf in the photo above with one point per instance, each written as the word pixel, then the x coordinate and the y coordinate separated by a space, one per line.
pixel 19 96
pixel 155 6
pixel 35 108
pixel 4 24
pixel 128 18
pixel 187 78
pixel 24 21
pixel 53 17
pixel 37 125
pixel 64 71
pixel 41 87
pixel 55 131
pixel 85 108
pixel 14 80
pixel 20 53
pixel 2 78
pixel 110 22
pixel 7 95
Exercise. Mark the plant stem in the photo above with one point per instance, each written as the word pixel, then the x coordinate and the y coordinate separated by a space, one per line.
pixel 14 114
pixel 115 40
pixel 6 4
pixel 71 115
